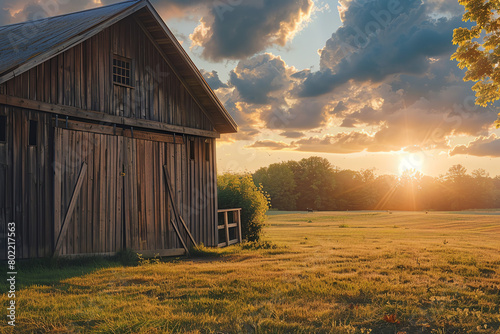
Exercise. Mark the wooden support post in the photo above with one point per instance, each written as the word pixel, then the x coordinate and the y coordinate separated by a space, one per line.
pixel 71 208
pixel 179 235
pixel 187 230
pixel 226 227
pixel 240 237
pixel 174 207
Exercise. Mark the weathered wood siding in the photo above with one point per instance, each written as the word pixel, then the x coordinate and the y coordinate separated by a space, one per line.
pixel 82 77
pixel 26 184
pixel 123 202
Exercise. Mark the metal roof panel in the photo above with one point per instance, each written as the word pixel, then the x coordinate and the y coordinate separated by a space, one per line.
pixel 23 41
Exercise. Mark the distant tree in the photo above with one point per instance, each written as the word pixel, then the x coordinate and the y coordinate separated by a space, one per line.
pixel 355 190
pixel 496 192
pixel 315 180
pixel 482 190
pixel 278 181
pixel 239 191
pixel 384 188
pixel 408 189
pixel 347 184
pixel 459 186
pixel 480 58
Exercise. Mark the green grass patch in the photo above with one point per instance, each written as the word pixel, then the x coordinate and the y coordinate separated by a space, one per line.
pixel 387 273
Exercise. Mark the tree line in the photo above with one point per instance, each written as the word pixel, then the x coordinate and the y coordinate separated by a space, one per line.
pixel 314 184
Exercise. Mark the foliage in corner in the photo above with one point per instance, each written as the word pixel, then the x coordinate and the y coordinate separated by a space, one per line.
pixel 480 58
pixel 239 191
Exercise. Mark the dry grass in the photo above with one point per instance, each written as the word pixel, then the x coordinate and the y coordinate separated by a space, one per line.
pixel 329 272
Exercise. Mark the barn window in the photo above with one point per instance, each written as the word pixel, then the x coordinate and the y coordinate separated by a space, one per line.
pixel 207 151
pixel 122 71
pixel 3 129
pixel 191 149
pixel 33 131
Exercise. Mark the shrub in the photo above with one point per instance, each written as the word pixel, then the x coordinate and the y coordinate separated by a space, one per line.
pixel 239 191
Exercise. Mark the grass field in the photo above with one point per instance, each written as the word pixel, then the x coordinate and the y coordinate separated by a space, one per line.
pixel 322 272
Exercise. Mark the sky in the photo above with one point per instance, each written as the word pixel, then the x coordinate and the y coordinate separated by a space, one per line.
pixel 363 83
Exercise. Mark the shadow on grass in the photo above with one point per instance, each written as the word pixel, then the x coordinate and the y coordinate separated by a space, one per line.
pixel 52 271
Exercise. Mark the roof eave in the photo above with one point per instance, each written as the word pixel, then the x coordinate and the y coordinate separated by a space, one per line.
pixel 231 126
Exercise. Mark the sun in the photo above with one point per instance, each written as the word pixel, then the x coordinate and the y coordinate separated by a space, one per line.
pixel 411 163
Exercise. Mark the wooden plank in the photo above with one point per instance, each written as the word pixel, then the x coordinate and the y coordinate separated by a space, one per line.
pixel 57 182
pixel 112 172
pixel 149 195
pixel 135 236
pixel 163 252
pixel 34 202
pixel 96 194
pixel 179 236
pixel 188 232
pixel 119 193
pixel 87 127
pixel 77 217
pixel 89 222
pixel 240 237
pixel 226 227
pixel 174 206
pixel 141 190
pixel 24 200
pixel 227 210
pixel 127 190
pixel 233 242
pixel 104 195
pixel 71 207
pixel 101 117
pixel 152 136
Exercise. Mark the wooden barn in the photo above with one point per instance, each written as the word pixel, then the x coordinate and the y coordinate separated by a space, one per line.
pixel 107 136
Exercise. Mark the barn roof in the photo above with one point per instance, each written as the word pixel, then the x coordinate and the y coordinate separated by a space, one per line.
pixel 26 45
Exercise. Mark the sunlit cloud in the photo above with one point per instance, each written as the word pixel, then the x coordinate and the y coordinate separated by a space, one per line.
pixel 481 147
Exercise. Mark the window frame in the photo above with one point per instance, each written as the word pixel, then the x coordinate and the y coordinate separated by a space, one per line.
pixel 115 57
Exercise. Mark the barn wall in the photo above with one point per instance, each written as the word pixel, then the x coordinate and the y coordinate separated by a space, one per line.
pixel 26 184
pixel 82 77
pixel 124 198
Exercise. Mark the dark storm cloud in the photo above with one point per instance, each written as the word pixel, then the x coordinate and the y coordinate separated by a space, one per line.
pixel 249 27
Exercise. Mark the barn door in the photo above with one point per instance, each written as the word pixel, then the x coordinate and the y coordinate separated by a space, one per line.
pixel 95 225
pixel 147 211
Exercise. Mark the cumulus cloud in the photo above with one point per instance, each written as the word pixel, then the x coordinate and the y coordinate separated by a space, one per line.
pixel 258 77
pixel 240 29
pixel 379 39
pixel 292 134
pixel 213 79
pixel 270 144
pixel 351 142
pixel 480 147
